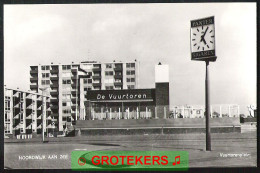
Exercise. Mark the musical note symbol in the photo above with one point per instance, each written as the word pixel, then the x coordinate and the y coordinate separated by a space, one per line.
pixel 178 162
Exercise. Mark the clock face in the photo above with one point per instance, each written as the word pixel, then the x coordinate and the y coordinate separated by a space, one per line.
pixel 203 38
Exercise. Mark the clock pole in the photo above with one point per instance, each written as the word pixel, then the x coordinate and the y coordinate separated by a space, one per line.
pixel 207 108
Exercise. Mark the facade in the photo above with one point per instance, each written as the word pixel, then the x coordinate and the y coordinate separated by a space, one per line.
pixel 130 103
pixel 67 84
pixel 25 113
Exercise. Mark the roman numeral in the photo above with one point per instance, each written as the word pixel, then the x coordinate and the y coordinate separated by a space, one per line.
pixel 202 48
pixel 198 30
pixel 195 44
pixel 198 48
pixel 211 41
pixel 210 31
pixel 207 46
pixel 202 27
pixel 212 36
pixel 193 39
pixel 194 34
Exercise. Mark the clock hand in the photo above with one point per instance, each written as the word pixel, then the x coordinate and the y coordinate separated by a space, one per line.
pixel 204 41
pixel 205 32
pixel 202 37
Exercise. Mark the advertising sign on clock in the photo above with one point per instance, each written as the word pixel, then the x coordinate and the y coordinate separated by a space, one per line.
pixel 203 39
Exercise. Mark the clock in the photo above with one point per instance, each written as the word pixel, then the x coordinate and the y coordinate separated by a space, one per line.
pixel 203 38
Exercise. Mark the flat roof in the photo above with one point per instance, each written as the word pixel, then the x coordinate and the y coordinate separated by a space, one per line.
pixel 135 100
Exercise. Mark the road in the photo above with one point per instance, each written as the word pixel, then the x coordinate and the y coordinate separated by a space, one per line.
pixel 222 144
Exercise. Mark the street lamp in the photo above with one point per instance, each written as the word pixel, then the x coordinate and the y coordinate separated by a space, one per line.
pixel 43 89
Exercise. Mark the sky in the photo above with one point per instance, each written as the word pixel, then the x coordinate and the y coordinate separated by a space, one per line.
pixel 149 33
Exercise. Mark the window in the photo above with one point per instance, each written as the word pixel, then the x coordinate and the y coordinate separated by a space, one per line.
pixel 45 67
pixel 45 75
pixel 130 79
pixel 7 116
pixel 45 82
pixel 109 73
pixel 7 105
pixel 130 72
pixel 130 65
pixel 108 65
pixel 87 89
pixel 66 103
pixel 130 86
pixel 66 81
pixel 109 87
pixel 66 67
pixel 66 111
pixel 7 128
pixel 7 97
pixel 87 81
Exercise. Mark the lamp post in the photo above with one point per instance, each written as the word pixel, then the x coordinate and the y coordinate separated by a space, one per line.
pixel 43 89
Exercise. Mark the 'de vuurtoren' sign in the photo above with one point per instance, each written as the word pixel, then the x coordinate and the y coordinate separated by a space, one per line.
pixel 114 95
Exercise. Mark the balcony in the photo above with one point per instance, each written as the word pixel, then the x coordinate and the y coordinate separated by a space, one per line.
pixel 96 69
pixel 118 68
pixel 74 77
pixel 118 83
pixel 33 71
pixel 54 71
pixel 96 84
pixel 73 99
pixel 74 85
pixel 54 107
pixel 54 85
pixel 118 76
pixel 74 70
pixel 33 87
pixel 54 115
pixel 54 78
pixel 54 93
pixel 96 77
pixel 33 79
pixel 54 100
pixel 74 92
pixel 73 107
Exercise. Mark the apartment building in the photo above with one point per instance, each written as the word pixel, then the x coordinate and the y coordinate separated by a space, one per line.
pixel 67 84
pixel 26 113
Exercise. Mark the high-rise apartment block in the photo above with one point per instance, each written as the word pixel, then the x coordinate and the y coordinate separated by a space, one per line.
pixel 67 84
